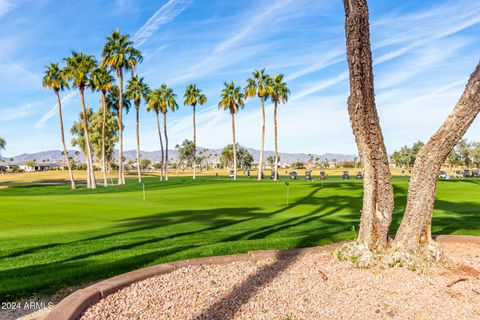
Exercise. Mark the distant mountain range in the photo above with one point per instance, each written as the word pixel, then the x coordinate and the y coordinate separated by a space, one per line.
pixel 56 155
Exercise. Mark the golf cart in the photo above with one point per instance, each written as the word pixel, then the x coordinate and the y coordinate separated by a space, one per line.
pixel 323 175
pixel 458 174
pixel 231 174
pixel 359 175
pixel 274 175
pixel 466 173
pixel 293 175
pixel 345 175
pixel 475 173
pixel 443 175
pixel 308 175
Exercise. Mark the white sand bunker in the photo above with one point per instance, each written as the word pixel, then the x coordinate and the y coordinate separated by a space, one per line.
pixel 312 286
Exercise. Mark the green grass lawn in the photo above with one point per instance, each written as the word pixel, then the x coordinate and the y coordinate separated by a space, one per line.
pixel 52 237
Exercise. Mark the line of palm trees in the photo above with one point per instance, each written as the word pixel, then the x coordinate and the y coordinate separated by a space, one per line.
pixel 83 72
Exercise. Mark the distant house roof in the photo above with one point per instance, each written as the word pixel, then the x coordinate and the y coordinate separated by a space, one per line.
pixel 44 164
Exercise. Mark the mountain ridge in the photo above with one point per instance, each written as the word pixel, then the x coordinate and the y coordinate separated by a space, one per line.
pixel 56 155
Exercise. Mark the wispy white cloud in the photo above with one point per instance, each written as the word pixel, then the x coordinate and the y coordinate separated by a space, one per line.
pixel 165 14
pixel 233 48
pixel 6 6
pixel 17 112
pixel 54 109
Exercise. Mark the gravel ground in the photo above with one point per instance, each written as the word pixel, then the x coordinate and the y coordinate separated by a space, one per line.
pixel 313 286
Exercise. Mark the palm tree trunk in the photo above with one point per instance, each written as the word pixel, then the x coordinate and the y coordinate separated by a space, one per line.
pixel 260 163
pixel 104 169
pixel 166 145
pixel 121 177
pixel 62 134
pixel 378 192
pixel 137 107
pixel 194 144
pixel 414 233
pixel 276 141
pixel 161 145
pixel 234 149
pixel 90 174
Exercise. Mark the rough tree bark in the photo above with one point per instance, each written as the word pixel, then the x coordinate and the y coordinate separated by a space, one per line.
pixel 165 166
pixel 260 162
pixel 91 183
pixel 194 145
pixel 121 176
pixel 276 140
pixel 161 145
pixel 104 119
pixel 137 136
pixel 414 233
pixel 234 148
pixel 70 174
pixel 378 192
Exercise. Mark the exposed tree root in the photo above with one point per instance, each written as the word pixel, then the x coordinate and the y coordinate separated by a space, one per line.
pixel 361 257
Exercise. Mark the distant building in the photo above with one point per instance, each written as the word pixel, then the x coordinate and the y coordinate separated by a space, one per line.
pixel 7 167
pixel 42 167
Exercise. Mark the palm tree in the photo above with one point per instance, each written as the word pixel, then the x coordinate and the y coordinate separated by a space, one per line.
pixel 232 99
pixel 168 102
pixel 54 78
pixel 119 54
pixel 78 69
pixel 278 92
pixel 154 102
pixel 136 90
pixel 102 80
pixel 192 96
pixel 259 85
pixel 113 101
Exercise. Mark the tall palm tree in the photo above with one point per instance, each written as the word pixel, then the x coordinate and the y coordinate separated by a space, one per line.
pixel 168 103
pixel 232 99
pixel 192 96
pixel 102 80
pixel 136 90
pixel 278 92
pixel 119 54
pixel 113 101
pixel 154 103
pixel 258 85
pixel 78 69
pixel 54 78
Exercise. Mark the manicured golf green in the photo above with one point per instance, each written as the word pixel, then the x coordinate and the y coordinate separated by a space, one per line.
pixel 52 237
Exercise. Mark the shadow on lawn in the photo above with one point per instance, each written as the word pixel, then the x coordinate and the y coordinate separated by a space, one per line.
pixel 207 232
pixel 217 230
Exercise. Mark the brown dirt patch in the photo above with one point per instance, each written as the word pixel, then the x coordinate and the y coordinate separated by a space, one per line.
pixel 312 286
pixel 4 187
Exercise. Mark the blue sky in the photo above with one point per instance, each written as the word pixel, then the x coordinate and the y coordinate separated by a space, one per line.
pixel 423 52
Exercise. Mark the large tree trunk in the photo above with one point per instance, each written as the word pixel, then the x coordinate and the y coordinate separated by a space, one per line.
pixel 166 145
pixel 121 177
pixel 161 145
pixel 137 108
pixel 415 229
pixel 260 163
pixel 194 144
pixel 88 149
pixel 62 134
pixel 234 149
pixel 378 192
pixel 276 140
pixel 104 119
